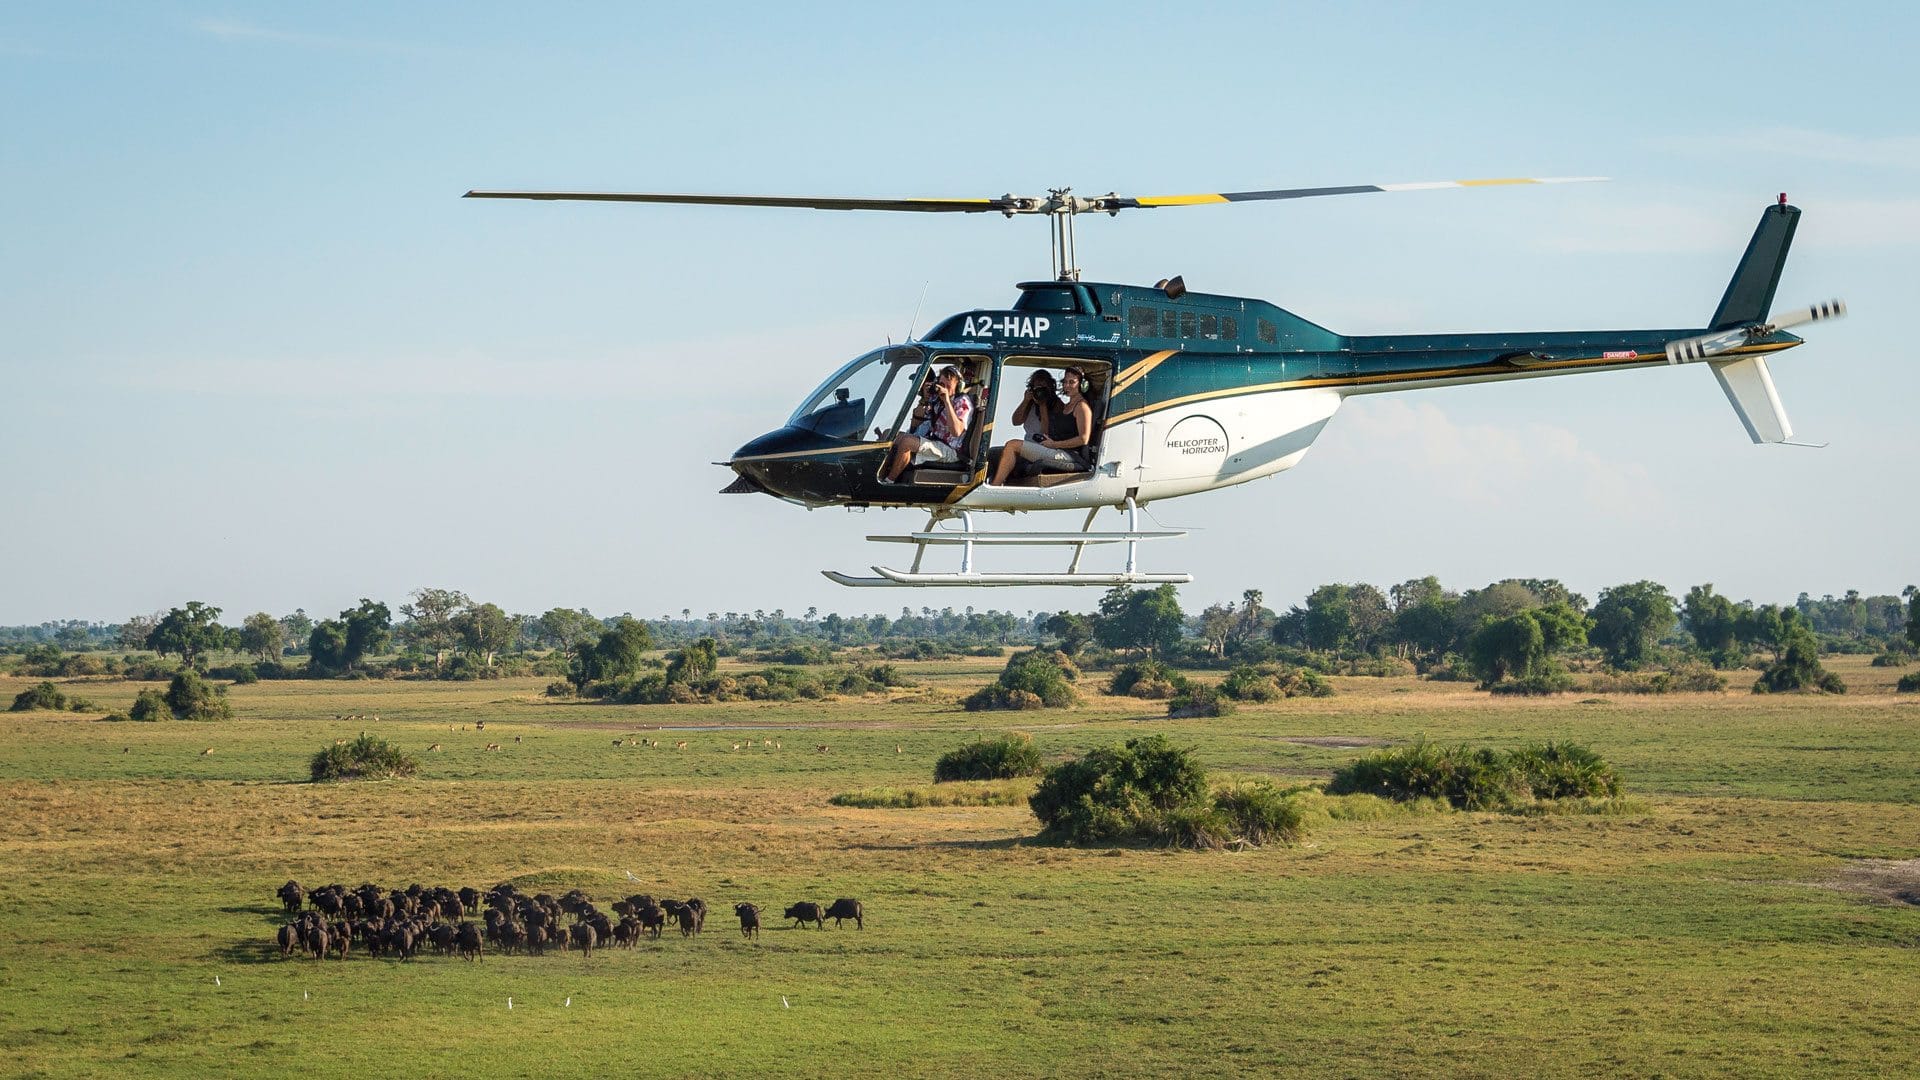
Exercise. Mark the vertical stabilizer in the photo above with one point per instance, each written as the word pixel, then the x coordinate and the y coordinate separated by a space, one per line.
pixel 1750 293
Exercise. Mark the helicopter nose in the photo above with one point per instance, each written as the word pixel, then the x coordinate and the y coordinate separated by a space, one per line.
pixel 794 463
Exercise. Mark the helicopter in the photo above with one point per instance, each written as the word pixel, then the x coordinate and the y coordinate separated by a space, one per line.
pixel 1188 392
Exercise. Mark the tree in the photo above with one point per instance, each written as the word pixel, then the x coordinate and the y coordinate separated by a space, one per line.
pixel 430 620
pixel 485 629
pixel 618 654
pixel 1216 627
pixel 1148 619
pixel 298 628
pixel 696 661
pixel 135 632
pixel 1329 623
pixel 1714 623
pixel 1797 660
pixel 1629 621
pixel 327 648
pixel 190 631
pixel 1073 630
pixel 569 630
pixel 1523 645
pixel 369 629
pixel 336 645
pixel 1424 619
pixel 262 635
pixel 1912 594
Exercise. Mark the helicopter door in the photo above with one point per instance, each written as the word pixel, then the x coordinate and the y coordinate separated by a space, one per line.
pixel 943 481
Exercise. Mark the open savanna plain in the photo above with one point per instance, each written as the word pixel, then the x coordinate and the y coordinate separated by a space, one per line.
pixel 1748 911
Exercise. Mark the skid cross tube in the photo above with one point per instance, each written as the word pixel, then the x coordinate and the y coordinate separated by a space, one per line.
pixel 966 537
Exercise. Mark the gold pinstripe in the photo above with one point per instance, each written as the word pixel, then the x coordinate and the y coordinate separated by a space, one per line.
pixel 1132 375
pixel 1410 376
pixel 1491 183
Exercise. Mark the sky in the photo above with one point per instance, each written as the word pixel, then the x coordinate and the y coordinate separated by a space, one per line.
pixel 256 351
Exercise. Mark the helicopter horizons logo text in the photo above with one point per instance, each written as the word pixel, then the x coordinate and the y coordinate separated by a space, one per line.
pixel 1007 326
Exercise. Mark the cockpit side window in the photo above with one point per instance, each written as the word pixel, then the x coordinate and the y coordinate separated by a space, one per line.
pixel 857 396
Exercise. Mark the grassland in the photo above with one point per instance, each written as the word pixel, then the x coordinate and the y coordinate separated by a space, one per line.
pixel 1692 935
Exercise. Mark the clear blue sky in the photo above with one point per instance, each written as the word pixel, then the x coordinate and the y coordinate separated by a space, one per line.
pixel 254 350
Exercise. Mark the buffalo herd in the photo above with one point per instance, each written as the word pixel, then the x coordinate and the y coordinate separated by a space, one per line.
pixel 332 920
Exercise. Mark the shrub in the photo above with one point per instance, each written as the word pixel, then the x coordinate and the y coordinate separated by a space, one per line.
pixel 1550 679
pixel 194 698
pixel 1909 684
pixel 1149 679
pixel 1118 792
pixel 1684 679
pixel 44 696
pixel 1271 683
pixel 1197 700
pixel 1479 779
pixel 1261 813
pixel 560 689
pixel 365 758
pixel 244 675
pixel 148 706
pixel 1032 679
pixel 1001 758
pixel 1890 659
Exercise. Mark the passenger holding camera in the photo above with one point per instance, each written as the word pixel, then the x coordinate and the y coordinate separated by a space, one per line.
pixel 1066 447
pixel 940 426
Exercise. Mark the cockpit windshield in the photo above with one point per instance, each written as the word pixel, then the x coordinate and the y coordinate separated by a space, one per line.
pixel 859 395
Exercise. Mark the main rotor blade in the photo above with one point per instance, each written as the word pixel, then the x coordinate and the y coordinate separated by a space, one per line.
pixel 1112 203
pixel 805 202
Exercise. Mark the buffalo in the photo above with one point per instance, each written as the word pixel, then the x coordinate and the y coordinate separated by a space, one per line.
pixel 844 908
pixel 467 939
pixel 292 897
pixel 749 919
pixel 584 938
pixel 808 912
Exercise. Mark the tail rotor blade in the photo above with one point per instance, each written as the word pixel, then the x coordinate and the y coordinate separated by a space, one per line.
pixel 1829 309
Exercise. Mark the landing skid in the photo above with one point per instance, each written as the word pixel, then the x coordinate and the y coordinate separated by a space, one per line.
pixel 966 537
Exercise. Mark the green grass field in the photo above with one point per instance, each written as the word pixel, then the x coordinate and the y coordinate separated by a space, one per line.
pixel 1698 933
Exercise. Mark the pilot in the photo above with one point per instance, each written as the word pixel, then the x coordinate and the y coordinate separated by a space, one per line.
pixel 947 411
pixel 1067 445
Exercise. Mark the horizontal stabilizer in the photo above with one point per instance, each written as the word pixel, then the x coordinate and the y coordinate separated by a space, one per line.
pixel 1749 387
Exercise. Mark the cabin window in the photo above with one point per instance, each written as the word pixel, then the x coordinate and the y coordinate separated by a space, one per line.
pixel 1187 324
pixel 1230 328
pixel 1209 326
pixel 1169 324
pixel 1269 334
pixel 1143 322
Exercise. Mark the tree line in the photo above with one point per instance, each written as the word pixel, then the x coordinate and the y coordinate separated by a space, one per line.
pixel 1518 633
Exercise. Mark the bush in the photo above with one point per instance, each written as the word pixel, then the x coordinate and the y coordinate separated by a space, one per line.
pixel 194 698
pixel 44 696
pixel 245 675
pixel 1149 679
pixel 365 758
pixel 1479 779
pixel 1118 792
pixel 1271 683
pixel 1261 813
pixel 1551 680
pixel 148 706
pixel 560 689
pixel 1033 679
pixel 1000 758
pixel 1198 700
pixel 1890 659
pixel 1909 684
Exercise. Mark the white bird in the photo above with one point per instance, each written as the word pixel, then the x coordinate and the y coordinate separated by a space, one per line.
pixel 509 1004
pixel 304 996
pixel 630 876
pixel 568 1003
pixel 783 1002
pixel 216 980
